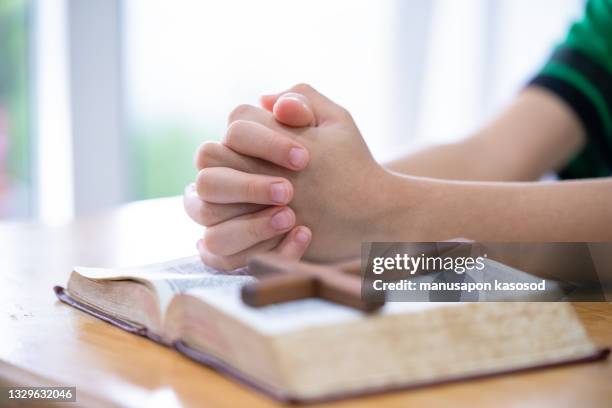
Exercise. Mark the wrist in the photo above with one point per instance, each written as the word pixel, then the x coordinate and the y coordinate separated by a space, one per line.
pixel 384 202
pixel 413 209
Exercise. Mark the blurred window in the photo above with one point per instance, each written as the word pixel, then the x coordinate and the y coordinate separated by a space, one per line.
pixel 188 63
pixel 411 72
pixel 163 75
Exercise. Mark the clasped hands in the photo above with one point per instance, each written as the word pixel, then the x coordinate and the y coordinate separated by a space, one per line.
pixel 293 177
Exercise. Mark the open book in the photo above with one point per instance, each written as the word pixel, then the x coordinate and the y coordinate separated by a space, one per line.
pixel 312 350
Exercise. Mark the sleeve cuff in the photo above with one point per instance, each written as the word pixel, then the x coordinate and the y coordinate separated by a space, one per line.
pixel 596 159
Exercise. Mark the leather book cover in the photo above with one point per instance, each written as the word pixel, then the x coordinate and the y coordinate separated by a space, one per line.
pixel 278 394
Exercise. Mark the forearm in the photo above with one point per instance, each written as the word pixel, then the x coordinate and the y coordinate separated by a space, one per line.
pixel 414 209
pixel 452 161
pixel 536 134
pixel 433 210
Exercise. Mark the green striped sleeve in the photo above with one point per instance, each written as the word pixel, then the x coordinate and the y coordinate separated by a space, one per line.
pixel 580 73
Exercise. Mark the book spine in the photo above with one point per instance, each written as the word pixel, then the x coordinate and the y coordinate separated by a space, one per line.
pixel 64 297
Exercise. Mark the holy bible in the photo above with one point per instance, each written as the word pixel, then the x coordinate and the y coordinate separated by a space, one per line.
pixel 312 350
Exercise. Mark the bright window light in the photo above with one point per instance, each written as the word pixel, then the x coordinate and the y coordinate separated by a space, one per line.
pixel 53 147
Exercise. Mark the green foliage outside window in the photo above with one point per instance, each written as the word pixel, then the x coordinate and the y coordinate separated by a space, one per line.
pixel 163 154
pixel 13 90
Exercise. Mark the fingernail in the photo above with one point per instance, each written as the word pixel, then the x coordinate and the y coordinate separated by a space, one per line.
pixel 298 157
pixel 281 220
pixel 302 237
pixel 279 193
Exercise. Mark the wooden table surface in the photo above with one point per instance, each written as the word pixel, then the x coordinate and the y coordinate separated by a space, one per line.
pixel 43 341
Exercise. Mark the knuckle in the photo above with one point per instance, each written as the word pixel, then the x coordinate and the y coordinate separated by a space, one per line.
pixel 228 263
pixel 302 87
pixel 220 263
pixel 344 113
pixel 203 183
pixel 252 191
pixel 254 230
pixel 209 214
pixel 189 205
pixel 234 132
pixel 205 153
pixel 276 144
pixel 212 242
pixel 238 112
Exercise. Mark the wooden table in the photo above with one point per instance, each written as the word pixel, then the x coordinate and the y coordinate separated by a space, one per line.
pixel 43 341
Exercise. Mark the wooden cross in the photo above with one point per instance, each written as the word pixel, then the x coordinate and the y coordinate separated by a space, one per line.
pixel 282 280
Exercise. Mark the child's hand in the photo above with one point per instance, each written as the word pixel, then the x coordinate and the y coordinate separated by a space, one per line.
pixel 291 110
pixel 335 195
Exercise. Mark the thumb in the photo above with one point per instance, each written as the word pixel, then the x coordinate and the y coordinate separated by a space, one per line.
pixel 290 108
pixel 322 108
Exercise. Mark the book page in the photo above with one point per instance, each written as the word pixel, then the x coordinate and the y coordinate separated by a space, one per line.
pixel 190 275
pixel 172 277
pixel 298 314
pixel 222 289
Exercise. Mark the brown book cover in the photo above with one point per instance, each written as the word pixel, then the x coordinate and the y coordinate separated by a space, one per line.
pixel 277 394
